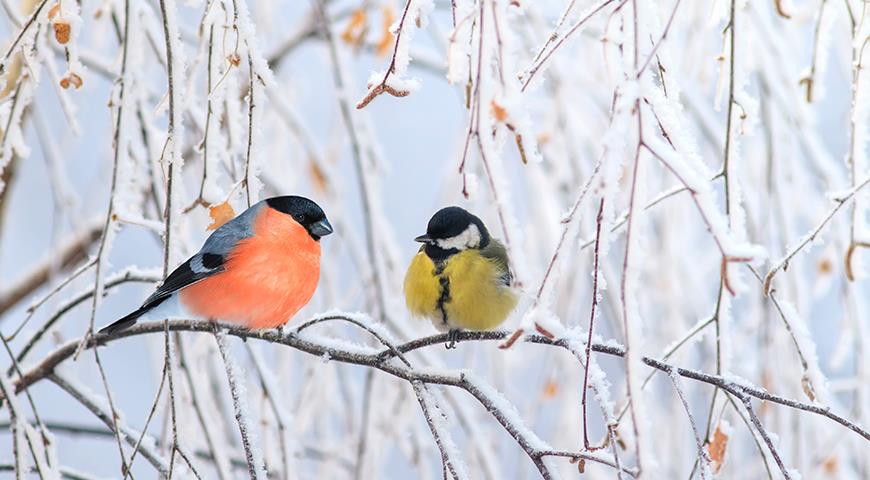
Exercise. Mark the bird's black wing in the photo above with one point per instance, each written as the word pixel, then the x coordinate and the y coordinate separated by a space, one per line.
pixel 196 268
pixel 209 261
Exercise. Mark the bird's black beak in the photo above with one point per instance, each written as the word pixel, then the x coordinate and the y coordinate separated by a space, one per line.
pixel 424 239
pixel 321 228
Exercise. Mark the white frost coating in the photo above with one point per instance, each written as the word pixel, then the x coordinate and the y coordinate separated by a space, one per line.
pixel 508 89
pixel 459 43
pixel 69 12
pixel 249 33
pixel 41 455
pixel 336 344
pixel 131 436
pixel 175 137
pixel 705 197
pixel 822 50
pixel 291 443
pixel 725 330
pixel 401 84
pixel 860 116
pixel 507 410
pixel 15 144
pixel 441 425
pixel 598 382
pixel 808 347
pixel 418 14
pixel 236 377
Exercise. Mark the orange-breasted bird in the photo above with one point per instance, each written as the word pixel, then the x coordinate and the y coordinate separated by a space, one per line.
pixel 257 270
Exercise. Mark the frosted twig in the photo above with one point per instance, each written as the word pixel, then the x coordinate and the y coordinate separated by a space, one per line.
pixel 541 58
pixel 255 465
pixel 375 359
pixel 93 404
pixel 379 360
pixel 598 219
pixel 71 251
pixel 359 165
pixel 702 453
pixel 31 20
pixel 128 470
pixel 747 402
pixel 173 64
pixel 808 238
pixel 272 394
pixel 660 41
pixel 206 423
pixel 45 437
pixel 383 86
pixel 437 432
pixel 111 282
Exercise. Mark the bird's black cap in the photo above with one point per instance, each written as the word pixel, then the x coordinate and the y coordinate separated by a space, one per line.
pixel 304 211
pixel 450 222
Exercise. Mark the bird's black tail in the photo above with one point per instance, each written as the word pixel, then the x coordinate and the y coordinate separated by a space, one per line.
pixel 124 322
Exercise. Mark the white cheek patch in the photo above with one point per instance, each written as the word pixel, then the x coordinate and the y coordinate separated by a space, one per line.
pixel 469 238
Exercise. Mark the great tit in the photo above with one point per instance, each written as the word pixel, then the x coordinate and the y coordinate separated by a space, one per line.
pixel 460 278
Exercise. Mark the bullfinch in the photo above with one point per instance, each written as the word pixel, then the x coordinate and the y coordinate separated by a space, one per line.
pixel 460 278
pixel 256 270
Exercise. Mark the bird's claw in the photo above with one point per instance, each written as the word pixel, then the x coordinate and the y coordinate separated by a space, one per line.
pixel 452 337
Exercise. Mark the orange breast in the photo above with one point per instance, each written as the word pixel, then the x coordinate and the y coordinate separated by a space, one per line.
pixel 268 277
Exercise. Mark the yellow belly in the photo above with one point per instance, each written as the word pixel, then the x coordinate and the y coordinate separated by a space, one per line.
pixel 477 299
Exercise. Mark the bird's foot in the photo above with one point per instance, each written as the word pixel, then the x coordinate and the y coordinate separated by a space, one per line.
pixel 452 337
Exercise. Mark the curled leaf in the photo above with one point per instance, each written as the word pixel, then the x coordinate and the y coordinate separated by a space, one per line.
pixel 71 79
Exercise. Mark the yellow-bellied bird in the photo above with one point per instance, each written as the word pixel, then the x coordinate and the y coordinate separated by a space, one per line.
pixel 460 278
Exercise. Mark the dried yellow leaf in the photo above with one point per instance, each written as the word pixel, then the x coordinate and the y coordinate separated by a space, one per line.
pixel 53 11
pixel 220 214
pixel 386 40
pixel 550 390
pixel 498 111
pixel 355 30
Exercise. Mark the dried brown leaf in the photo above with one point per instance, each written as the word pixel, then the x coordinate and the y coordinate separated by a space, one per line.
pixel 830 465
pixel 825 266
pixel 62 32
pixel 318 176
pixel 850 274
pixel 807 386
pixel 716 449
